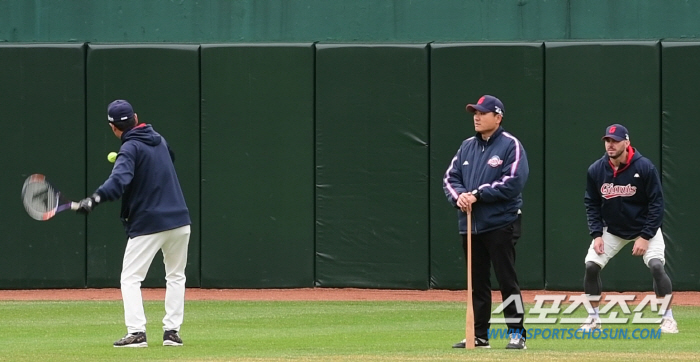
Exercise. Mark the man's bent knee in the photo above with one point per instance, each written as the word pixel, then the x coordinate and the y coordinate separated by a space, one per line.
pixel 592 268
pixel 656 267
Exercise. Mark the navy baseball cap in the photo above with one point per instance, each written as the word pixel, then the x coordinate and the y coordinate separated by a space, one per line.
pixel 617 132
pixel 119 110
pixel 487 104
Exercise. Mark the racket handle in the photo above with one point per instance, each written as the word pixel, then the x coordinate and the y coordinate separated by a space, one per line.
pixel 74 206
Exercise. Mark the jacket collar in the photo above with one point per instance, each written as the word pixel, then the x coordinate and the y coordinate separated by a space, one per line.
pixel 498 132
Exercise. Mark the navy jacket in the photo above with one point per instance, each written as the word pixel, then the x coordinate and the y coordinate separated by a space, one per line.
pixel 498 168
pixel 628 201
pixel 144 177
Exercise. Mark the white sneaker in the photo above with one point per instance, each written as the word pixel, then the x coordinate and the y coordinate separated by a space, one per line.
pixel 516 342
pixel 591 324
pixel 668 325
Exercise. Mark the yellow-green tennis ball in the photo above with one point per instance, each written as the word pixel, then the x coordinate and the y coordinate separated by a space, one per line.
pixel 111 157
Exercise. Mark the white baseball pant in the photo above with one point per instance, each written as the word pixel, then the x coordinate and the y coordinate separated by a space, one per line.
pixel 613 244
pixel 138 256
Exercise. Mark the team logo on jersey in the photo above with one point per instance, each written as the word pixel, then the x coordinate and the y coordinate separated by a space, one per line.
pixel 495 161
pixel 610 190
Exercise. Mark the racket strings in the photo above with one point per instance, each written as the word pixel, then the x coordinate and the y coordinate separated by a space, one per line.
pixel 39 199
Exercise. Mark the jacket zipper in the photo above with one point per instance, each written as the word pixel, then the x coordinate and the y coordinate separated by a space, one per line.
pixel 483 149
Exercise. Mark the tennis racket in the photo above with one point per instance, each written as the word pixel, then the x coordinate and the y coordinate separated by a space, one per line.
pixel 41 200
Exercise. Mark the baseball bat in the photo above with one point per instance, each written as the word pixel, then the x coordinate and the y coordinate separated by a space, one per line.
pixel 470 337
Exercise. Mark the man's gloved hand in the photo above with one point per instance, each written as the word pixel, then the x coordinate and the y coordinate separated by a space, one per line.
pixel 86 205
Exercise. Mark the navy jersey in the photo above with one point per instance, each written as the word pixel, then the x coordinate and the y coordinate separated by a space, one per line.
pixel 144 178
pixel 498 169
pixel 629 201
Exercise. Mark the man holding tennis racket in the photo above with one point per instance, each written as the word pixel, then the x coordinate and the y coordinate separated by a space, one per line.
pixel 486 178
pixel 155 217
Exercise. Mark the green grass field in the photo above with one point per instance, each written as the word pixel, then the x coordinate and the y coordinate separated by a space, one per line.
pixel 308 331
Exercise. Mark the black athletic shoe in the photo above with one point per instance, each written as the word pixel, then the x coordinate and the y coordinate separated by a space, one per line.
pixel 137 339
pixel 478 343
pixel 171 338
pixel 516 342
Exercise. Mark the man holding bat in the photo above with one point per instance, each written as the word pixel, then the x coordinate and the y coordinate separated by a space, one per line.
pixel 155 217
pixel 486 178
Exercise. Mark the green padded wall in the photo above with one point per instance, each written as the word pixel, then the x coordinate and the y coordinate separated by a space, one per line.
pixel 589 86
pixel 43 107
pixel 363 21
pixel 162 84
pixel 257 165
pixel 460 74
pixel 680 126
pixel 372 166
